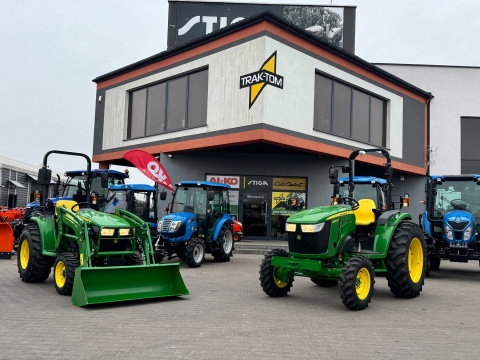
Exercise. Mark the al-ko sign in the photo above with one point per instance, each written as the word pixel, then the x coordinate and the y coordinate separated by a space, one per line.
pixel 257 81
pixel 188 20
pixel 233 181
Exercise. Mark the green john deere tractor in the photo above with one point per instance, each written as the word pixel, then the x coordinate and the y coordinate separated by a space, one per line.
pixel 96 257
pixel 350 241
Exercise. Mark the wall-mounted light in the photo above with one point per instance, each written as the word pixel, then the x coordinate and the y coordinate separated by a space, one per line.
pixel 170 156
pixel 100 98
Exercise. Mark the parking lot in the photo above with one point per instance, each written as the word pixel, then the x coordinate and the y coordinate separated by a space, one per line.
pixel 227 316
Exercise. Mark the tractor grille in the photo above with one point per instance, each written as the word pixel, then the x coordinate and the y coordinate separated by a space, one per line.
pixel 165 225
pixel 107 245
pixel 458 228
pixel 309 243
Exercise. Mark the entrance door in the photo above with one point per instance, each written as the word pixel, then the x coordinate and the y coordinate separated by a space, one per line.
pixel 256 216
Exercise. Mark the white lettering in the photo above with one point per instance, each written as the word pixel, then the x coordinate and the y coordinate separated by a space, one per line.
pixel 209 20
pixel 186 28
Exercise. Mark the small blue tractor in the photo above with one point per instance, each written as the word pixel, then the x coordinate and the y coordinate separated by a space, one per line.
pixel 198 222
pixel 451 220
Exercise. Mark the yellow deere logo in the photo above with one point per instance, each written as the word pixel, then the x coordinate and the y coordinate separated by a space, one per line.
pixel 258 80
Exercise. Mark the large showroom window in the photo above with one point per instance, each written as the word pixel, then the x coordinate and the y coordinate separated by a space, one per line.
pixel 343 110
pixel 176 104
pixel 470 128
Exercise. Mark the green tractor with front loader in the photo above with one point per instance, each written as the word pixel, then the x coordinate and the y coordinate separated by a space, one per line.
pixel 349 241
pixel 96 257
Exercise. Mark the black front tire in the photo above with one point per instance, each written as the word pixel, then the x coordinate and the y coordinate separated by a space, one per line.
pixel 195 252
pixel 357 283
pixel 135 259
pixel 33 266
pixel 64 272
pixel 325 282
pixel 270 284
pixel 225 244
pixel 406 260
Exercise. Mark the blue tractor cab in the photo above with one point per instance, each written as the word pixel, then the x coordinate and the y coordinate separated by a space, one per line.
pixel 199 221
pixel 138 199
pixel 366 187
pixel 451 221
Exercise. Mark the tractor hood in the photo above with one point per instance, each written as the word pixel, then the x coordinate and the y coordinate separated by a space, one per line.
pixel 459 221
pixel 183 216
pixel 102 219
pixel 319 214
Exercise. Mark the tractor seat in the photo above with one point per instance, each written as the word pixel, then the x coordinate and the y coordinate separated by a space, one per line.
pixel 66 203
pixel 364 215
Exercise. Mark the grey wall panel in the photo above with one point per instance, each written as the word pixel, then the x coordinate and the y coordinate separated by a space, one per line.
pixel 413 132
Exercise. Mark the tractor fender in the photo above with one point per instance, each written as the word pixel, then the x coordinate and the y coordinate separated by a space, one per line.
pixel 346 245
pixel 386 225
pixel 427 225
pixel 48 234
pixel 218 227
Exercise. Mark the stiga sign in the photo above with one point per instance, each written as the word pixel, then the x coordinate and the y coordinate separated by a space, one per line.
pixel 188 20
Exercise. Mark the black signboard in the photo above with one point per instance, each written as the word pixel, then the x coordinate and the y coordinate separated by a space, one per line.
pixel 257 183
pixel 188 20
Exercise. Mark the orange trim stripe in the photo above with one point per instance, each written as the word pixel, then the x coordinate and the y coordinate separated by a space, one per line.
pixel 260 136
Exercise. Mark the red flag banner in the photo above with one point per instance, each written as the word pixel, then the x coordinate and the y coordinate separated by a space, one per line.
pixel 149 166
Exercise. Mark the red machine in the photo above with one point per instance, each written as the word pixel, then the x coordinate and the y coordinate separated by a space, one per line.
pixel 237 230
pixel 6 231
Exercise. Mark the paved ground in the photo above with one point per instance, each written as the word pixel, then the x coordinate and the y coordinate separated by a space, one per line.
pixel 227 316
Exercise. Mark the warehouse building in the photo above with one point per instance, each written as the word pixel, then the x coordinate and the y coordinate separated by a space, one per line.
pixel 265 107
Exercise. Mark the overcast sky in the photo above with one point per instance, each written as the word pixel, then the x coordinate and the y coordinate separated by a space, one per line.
pixel 50 50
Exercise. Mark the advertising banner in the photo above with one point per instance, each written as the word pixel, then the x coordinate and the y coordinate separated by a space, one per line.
pixel 290 184
pixel 257 183
pixel 188 20
pixel 149 166
pixel 233 197
pixel 288 203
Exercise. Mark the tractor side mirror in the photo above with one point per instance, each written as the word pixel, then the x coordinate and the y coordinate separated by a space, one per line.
pixel 163 195
pixel 44 176
pixel 333 175
pixel 104 180
pixel 210 195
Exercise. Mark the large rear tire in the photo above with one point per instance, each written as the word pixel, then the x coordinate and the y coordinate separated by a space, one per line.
pixel 357 283
pixel 195 253
pixel 32 266
pixel 271 285
pixel 64 272
pixel 225 243
pixel 406 260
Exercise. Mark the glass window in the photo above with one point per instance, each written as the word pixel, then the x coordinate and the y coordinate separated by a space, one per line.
pixel 176 101
pixel 323 104
pixel 342 100
pixel 361 116
pixel 197 99
pixel 136 126
pixel 377 123
pixel 156 109
pixel 470 128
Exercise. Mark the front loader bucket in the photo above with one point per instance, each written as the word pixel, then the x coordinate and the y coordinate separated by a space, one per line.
pixel 6 241
pixel 122 283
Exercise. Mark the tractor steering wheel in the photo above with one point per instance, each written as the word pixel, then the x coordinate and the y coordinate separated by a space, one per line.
pixel 350 201
pixel 82 205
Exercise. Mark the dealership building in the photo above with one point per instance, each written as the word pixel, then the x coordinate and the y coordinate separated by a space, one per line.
pixel 265 107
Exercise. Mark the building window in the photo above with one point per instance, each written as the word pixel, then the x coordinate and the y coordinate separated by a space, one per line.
pixel 176 104
pixel 470 128
pixel 349 112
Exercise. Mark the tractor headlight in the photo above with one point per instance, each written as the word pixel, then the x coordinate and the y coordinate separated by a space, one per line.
pixel 290 227
pixel 107 232
pixel 174 226
pixel 312 228
pixel 125 232
pixel 160 223
pixel 467 233
pixel 448 232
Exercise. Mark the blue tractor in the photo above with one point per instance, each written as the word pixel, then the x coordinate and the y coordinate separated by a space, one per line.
pixel 198 222
pixel 139 199
pixel 451 220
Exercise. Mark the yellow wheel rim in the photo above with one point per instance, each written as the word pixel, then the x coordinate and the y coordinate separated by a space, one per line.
pixel 363 283
pixel 60 274
pixel 24 254
pixel 278 282
pixel 415 260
